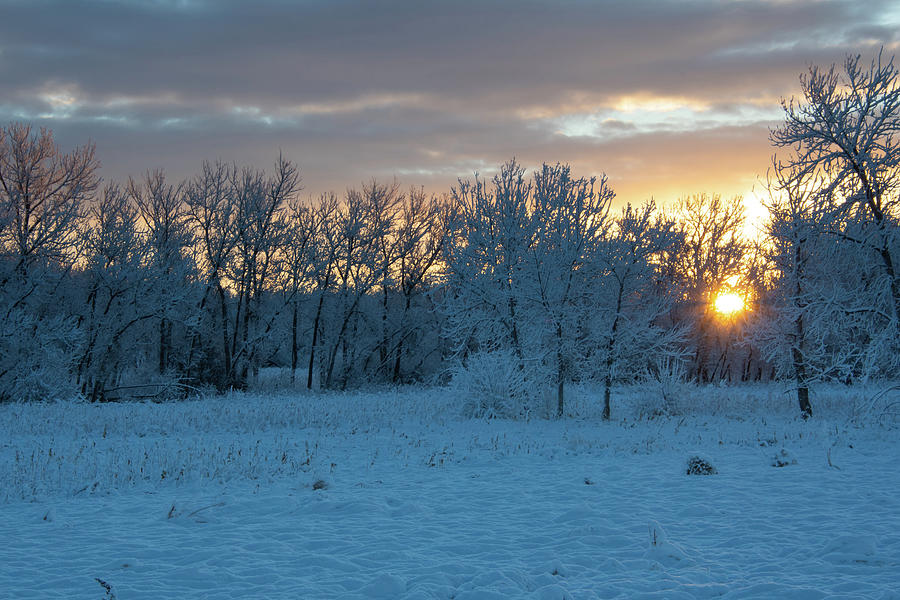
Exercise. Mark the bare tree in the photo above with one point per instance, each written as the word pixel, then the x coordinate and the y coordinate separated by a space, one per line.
pixel 323 257
pixel 383 203
pixel 211 207
pixel 162 211
pixel 420 232
pixel 259 229
pixel 356 275
pixel 710 253
pixel 42 194
pixel 791 227
pixel 829 313
pixel 298 266
pixel 120 299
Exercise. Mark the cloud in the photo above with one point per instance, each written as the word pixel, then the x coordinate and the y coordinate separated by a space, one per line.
pixel 662 95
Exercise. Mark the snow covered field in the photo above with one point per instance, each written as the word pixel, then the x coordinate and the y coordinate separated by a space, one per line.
pixel 217 498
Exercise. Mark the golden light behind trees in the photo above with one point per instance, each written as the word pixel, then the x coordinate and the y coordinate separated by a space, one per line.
pixel 729 303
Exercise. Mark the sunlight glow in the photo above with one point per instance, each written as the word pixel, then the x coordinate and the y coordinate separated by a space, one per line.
pixel 729 303
pixel 659 104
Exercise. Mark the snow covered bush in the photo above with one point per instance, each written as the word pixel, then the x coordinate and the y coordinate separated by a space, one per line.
pixel 493 384
pixel 35 357
pixel 666 389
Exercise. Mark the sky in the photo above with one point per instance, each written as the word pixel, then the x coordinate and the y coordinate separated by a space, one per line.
pixel 665 97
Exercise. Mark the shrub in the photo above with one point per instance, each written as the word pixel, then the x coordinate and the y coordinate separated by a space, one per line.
pixel 664 389
pixel 494 384
pixel 35 357
pixel 700 466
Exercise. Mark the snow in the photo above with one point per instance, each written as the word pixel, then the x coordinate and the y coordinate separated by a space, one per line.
pixel 214 498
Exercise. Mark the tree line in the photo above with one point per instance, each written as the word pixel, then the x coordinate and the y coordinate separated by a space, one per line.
pixel 535 280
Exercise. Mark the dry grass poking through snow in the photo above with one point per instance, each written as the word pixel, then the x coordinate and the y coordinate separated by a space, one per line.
pixel 77 448
pixel 395 495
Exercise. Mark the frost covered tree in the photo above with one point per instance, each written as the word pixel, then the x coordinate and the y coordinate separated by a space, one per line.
pixel 630 299
pixel 569 221
pixel 261 201
pixel 42 196
pixel 43 192
pixel 383 206
pixel 211 211
pixel 297 267
pixel 845 127
pixel 794 248
pixel 828 314
pixel 420 238
pixel 487 324
pixel 490 238
pixel 160 206
pixel 356 275
pixel 323 256
pixel 120 299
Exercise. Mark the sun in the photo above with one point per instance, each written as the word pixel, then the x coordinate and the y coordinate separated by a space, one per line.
pixel 729 303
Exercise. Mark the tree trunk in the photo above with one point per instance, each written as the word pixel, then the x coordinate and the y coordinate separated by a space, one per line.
pixel 560 393
pixel 340 342
pixel 385 343
pixel 315 341
pixel 610 348
pixel 803 399
pixel 888 262
pixel 294 344
pixel 873 201
pixel 607 387
pixel 163 346
pixel 396 376
pixel 225 381
pixel 560 374
pixel 800 378
pixel 799 359
pixel 513 329
pixel 246 352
